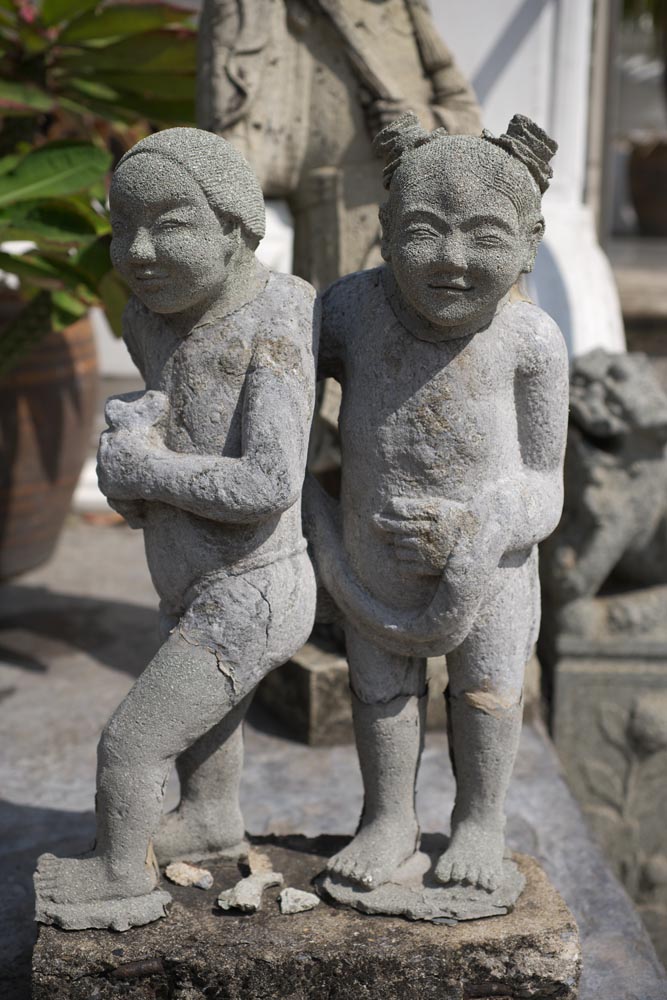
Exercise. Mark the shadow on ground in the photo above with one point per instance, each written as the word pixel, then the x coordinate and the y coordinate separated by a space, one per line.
pixel 120 635
pixel 30 831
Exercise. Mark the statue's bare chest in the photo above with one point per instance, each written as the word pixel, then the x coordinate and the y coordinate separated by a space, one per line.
pixel 203 376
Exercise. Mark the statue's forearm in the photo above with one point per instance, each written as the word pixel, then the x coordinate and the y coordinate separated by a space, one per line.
pixel 233 490
pixel 528 507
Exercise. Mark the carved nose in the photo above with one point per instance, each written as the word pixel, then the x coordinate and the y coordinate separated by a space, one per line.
pixel 141 248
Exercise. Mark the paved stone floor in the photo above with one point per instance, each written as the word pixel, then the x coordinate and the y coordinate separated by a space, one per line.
pixel 75 633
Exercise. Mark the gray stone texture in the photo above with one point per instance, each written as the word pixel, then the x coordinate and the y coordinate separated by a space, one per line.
pixel 302 87
pixel 453 421
pixel 209 462
pixel 326 952
pixel 66 663
pixel 604 638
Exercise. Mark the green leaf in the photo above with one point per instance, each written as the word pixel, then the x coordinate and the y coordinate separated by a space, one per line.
pixel 57 11
pixel 122 20
pixel 114 294
pixel 40 271
pixel 59 221
pixel 66 310
pixel 52 171
pixel 8 163
pixel 159 85
pixel 19 98
pixel 166 51
pixel 95 260
pixel 25 331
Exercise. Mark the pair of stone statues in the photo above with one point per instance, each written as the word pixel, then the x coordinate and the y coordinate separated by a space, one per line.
pixel 453 423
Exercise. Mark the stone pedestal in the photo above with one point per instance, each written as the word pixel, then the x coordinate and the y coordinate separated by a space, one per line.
pixel 200 951
pixel 610 730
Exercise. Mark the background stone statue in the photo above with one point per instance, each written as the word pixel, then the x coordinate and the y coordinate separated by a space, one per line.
pixel 604 638
pixel 612 539
pixel 453 422
pixel 302 86
pixel 209 462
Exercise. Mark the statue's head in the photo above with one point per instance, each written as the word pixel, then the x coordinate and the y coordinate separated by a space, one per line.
pixel 186 208
pixel 612 395
pixel 463 217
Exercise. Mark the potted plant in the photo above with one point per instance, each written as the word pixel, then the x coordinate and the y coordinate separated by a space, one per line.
pixel 83 80
pixel 648 159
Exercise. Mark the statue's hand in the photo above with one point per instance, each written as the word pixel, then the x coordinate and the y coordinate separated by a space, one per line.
pixel 137 411
pixel 122 458
pixel 384 112
pixel 424 532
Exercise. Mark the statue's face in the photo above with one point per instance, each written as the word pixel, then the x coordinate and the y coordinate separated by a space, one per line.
pixel 456 245
pixel 168 244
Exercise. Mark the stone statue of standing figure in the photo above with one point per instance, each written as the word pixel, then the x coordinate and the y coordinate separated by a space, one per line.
pixel 453 425
pixel 209 461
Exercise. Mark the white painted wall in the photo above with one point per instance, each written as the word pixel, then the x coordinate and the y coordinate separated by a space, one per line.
pixel 533 56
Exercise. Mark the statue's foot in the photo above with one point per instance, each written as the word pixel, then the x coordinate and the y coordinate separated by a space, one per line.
pixel 373 856
pixel 475 855
pixel 87 880
pixel 183 836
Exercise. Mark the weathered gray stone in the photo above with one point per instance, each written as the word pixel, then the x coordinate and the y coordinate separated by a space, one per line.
pixel 327 952
pixel 453 421
pixel 310 694
pixel 65 664
pixel 604 639
pixel 209 462
pixel 304 99
pixel 610 728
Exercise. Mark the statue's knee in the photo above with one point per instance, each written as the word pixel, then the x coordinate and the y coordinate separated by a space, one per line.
pixel 492 700
pixel 118 742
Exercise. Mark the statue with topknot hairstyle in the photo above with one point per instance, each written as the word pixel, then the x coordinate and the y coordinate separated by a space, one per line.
pixel 209 462
pixel 453 421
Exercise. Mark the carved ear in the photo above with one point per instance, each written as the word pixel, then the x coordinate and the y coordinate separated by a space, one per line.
pixel 534 240
pixel 385 226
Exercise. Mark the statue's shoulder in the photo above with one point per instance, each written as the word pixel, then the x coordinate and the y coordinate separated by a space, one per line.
pixel 353 293
pixel 539 341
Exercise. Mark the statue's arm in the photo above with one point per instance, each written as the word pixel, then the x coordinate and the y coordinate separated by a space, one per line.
pixel 267 477
pixel 528 506
pixel 454 104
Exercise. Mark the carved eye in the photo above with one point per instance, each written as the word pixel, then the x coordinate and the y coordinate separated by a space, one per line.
pixel 489 238
pixel 423 232
pixel 170 225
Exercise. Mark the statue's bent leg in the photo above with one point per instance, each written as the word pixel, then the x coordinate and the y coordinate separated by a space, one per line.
pixel 185 691
pixel 485 706
pixel 208 820
pixel 389 706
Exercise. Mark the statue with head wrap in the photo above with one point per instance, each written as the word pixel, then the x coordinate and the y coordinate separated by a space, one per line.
pixel 453 421
pixel 209 461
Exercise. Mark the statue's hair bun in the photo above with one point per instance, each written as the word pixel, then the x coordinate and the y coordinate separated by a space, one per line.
pixel 528 143
pixel 523 141
pixel 400 137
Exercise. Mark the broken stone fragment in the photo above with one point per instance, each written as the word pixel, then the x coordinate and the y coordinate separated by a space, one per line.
pixel 246 895
pixel 297 901
pixel 182 873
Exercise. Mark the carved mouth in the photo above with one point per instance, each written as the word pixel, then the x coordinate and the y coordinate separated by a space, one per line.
pixel 449 286
pixel 148 276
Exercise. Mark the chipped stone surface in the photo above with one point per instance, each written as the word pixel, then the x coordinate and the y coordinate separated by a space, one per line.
pixel 297 901
pixel 328 952
pixel 247 894
pixel 181 873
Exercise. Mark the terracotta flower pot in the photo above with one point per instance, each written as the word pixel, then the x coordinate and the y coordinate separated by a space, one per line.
pixel 47 405
pixel 648 186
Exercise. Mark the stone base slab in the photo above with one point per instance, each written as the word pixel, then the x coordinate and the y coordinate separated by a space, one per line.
pixel 198 951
